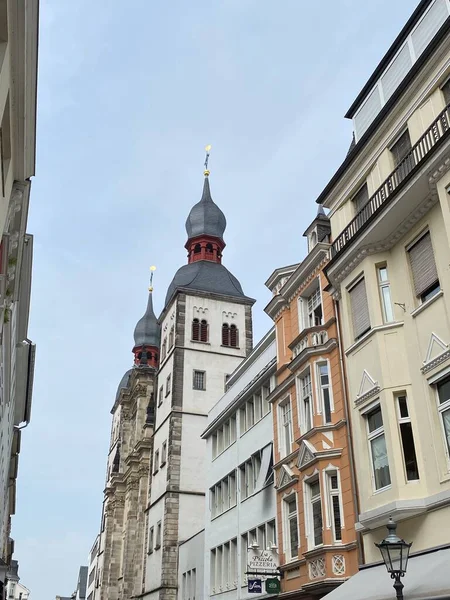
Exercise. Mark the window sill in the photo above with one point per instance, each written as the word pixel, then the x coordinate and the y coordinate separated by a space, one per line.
pixel 232 347
pixel 157 547
pixel 199 389
pixel 254 424
pixel 426 304
pixel 162 464
pixel 223 513
pixel 381 490
pixel 201 342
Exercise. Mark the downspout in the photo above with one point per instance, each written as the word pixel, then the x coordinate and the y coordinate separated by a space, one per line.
pixel 361 558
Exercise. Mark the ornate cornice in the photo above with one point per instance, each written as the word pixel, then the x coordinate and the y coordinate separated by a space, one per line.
pixel 369 394
pixel 438 360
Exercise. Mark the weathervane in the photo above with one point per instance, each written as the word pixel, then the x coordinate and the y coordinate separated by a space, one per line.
pixel 208 150
pixel 152 270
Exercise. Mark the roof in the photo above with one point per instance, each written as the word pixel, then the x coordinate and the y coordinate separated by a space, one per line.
pixel 205 217
pixel 147 331
pixel 82 582
pixel 205 276
pixel 124 382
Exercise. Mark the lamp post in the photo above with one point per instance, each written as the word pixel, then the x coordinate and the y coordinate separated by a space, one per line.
pixel 395 553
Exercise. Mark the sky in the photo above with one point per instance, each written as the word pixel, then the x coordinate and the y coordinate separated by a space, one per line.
pixel 129 94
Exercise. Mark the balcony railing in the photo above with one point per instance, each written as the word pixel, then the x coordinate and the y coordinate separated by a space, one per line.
pixel 426 145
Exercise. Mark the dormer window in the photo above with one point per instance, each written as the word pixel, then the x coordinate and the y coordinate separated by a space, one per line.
pixel 312 240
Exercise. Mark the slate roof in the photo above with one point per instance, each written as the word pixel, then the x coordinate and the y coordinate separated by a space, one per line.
pixel 124 382
pixel 205 217
pixel 147 330
pixel 205 276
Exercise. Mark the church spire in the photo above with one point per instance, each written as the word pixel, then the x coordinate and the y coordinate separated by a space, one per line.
pixel 205 225
pixel 147 333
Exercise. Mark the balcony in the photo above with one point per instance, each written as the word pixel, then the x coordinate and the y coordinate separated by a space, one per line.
pixel 420 153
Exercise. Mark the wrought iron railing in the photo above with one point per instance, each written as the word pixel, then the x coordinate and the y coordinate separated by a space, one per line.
pixel 421 150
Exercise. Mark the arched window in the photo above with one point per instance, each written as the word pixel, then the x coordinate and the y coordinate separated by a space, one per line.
pixel 209 248
pixel 171 336
pixel 204 330
pixel 197 249
pixel 225 335
pixel 234 341
pixel 196 330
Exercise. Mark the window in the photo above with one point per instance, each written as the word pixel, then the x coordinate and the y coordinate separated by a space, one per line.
pixel 171 336
pixel 385 294
pixel 150 539
pixel 158 536
pixel 334 506
pixel 378 451
pixel 224 436
pixel 156 465
pixel 199 380
pixel 265 395
pixel 291 528
pixel 324 388
pixel 223 574
pixel 423 268
pixel 443 388
pixel 359 308
pixel 407 439
pixel 164 349
pixel 223 495
pixel 361 198
pixel 250 413
pixel 305 403
pixel 199 330
pixel 249 473
pixel 285 427
pixel 163 453
pixel 160 395
pixel 403 159
pixel 314 309
pixel 254 409
pixel 316 531
pixel 230 335
pixel 168 381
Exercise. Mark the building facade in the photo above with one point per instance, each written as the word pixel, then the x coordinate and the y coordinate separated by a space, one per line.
pixel 206 331
pixel 241 507
pixel 390 220
pixel 14 589
pixel 92 580
pixel 120 562
pixel 18 75
pixel 313 461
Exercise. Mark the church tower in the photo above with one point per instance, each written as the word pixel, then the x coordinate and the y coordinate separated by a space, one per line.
pixel 206 331
pixel 122 537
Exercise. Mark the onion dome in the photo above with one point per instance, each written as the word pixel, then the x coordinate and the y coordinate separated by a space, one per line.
pixel 147 331
pixel 205 217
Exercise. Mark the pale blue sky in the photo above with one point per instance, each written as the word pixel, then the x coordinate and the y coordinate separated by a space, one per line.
pixel 129 94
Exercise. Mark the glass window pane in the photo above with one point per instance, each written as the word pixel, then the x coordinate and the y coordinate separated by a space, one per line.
pixel 317 522
pixel 446 420
pixel 337 518
pixel 293 536
pixel 444 390
pixel 387 304
pixel 327 404
pixel 409 451
pixel 403 407
pixel 380 462
pixel 374 419
pixel 382 273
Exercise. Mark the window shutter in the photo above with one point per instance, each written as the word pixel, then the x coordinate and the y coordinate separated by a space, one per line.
pixel 423 266
pixel 195 330
pixel 204 331
pixel 225 335
pixel 361 197
pixel 233 336
pixel 360 308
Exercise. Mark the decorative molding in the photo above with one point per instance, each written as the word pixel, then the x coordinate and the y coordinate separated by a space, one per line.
pixel 435 340
pixel 229 315
pixel 438 360
pixel 306 455
pixel 200 310
pixel 338 564
pixel 316 568
pixel 367 388
pixel 286 477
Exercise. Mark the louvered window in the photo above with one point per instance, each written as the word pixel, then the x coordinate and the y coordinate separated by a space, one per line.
pixel 230 335
pixel 196 330
pixel 203 331
pixel 423 267
pixel 360 309
pixel 403 158
pixel 225 335
pixel 233 336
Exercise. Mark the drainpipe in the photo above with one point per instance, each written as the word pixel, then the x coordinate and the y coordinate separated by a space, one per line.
pixel 361 558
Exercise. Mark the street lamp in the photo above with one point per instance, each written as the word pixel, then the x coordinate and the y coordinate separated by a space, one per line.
pixel 395 553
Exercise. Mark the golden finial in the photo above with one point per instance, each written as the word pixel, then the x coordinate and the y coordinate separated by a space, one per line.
pixel 152 270
pixel 208 150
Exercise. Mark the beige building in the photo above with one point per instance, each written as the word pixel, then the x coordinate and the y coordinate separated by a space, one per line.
pixel 18 74
pixel 389 208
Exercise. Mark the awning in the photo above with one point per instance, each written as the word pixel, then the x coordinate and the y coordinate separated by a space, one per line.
pixel 427 578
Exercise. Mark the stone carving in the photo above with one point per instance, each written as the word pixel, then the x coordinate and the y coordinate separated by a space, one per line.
pixel 338 564
pixel 306 455
pixel 316 568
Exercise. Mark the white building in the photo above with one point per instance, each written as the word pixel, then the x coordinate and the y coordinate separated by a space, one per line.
pixel 191 567
pixel 241 505
pixel 18 75
pixel 92 578
pixel 206 331
pixel 14 589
